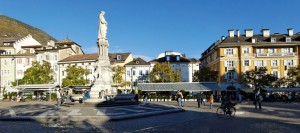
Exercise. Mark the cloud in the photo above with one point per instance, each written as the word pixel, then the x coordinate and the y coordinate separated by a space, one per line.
pixel 144 57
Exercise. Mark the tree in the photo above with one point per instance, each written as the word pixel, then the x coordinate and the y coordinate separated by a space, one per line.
pixel 118 77
pixel 163 72
pixel 258 78
pixel 37 74
pixel 205 75
pixel 75 76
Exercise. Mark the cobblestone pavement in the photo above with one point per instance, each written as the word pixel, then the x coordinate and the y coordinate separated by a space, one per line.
pixel 48 111
pixel 274 117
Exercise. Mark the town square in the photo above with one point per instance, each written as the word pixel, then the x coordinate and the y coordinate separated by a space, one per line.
pixel 149 66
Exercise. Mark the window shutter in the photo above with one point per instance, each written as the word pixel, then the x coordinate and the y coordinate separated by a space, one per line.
pixel 284 62
pixel 225 63
pixel 275 50
pixel 291 50
pixel 265 63
pixel 250 63
pixel 243 50
pixel 255 63
pixel 224 51
pixel 225 76
pixel 294 62
pixel 249 50
pixel 234 51
pixel 278 62
pixel 243 62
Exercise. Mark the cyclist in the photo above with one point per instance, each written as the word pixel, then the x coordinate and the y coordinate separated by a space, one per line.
pixel 226 102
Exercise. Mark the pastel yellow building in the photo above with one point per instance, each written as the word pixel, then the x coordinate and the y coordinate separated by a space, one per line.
pixel 236 53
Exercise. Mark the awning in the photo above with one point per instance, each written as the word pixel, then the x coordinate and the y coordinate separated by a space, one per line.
pixel 37 87
pixel 194 86
pixel 282 89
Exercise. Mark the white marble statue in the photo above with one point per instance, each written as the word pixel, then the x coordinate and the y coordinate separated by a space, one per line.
pixel 102 26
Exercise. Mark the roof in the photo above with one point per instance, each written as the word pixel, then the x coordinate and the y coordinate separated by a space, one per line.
pixel 113 57
pixel 66 41
pixel 173 58
pixel 194 86
pixel 138 61
pixel 261 41
pixel 80 57
pixel 10 40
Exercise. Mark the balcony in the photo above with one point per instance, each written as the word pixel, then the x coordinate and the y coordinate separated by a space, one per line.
pixel 275 54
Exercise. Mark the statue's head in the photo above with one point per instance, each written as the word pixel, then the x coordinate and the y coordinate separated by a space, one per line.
pixel 102 12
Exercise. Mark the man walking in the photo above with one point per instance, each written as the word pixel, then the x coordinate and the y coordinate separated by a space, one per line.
pixel 199 99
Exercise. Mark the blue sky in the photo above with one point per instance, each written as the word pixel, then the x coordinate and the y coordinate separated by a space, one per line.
pixel 147 28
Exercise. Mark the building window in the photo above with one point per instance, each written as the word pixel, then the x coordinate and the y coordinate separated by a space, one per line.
pixel 289 63
pixel 47 57
pixel 274 63
pixel 177 58
pixel 254 40
pixel 246 50
pixel 6 43
pixel 271 50
pixel 133 72
pixel 90 71
pixel 147 72
pixel 230 63
pixel 246 63
pixel 137 62
pixel 273 39
pixel 63 73
pixel 287 50
pixel 55 57
pixel 118 57
pixel 260 50
pixel 229 51
pixel 128 73
pixel 260 63
pixel 288 39
pixel 275 73
pixel 168 58
pixel 141 72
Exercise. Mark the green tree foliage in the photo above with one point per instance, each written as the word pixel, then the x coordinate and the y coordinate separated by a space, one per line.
pixel 118 77
pixel 163 72
pixel 259 78
pixel 205 75
pixel 75 76
pixel 37 74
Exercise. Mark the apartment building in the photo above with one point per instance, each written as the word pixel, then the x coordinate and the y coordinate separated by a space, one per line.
pixel 188 66
pixel 235 54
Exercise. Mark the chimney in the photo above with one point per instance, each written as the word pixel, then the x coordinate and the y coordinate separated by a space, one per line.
pixel 265 32
pixel 249 32
pixel 238 33
pixel 290 31
pixel 231 33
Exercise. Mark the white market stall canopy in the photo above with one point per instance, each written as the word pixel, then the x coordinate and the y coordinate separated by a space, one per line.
pixel 37 87
pixel 194 86
pixel 282 89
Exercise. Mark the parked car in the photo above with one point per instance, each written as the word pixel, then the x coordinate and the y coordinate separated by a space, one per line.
pixel 76 97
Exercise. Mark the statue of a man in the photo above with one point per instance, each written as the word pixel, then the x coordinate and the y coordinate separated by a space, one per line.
pixel 102 26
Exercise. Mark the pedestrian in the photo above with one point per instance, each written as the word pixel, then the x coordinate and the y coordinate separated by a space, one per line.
pixel 145 97
pixel 258 99
pixel 202 98
pixel 58 97
pixel 240 98
pixel 179 99
pixel 199 99
pixel 211 100
pixel 289 98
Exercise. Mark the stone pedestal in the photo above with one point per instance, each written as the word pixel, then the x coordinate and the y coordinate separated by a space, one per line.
pixel 103 75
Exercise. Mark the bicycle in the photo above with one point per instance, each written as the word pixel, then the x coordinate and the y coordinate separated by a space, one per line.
pixel 226 110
